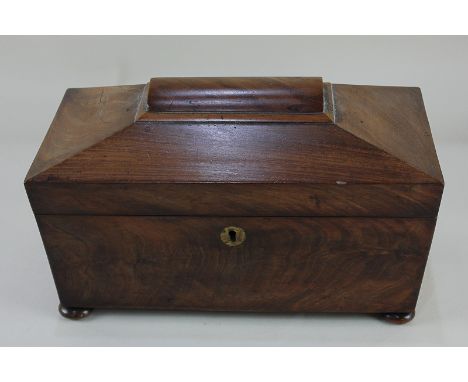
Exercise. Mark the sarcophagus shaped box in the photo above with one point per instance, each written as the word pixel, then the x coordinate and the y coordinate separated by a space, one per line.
pixel 238 194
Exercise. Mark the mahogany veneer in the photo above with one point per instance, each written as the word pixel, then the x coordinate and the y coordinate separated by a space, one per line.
pixel 281 194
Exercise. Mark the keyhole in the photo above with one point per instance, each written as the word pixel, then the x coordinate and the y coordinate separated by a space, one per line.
pixel 232 235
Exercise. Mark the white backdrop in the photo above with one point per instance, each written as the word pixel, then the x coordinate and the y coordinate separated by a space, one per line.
pixel 34 73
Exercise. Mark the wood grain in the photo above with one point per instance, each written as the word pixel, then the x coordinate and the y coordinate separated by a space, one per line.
pixel 85 117
pixel 326 116
pixel 234 117
pixel 337 188
pixel 391 118
pixel 284 265
pixel 241 94
pixel 217 199
pixel 233 153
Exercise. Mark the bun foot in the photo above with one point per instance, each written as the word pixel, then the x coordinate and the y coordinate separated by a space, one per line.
pixel 74 313
pixel 397 318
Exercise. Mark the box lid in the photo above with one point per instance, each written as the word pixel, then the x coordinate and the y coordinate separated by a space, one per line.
pixel 252 132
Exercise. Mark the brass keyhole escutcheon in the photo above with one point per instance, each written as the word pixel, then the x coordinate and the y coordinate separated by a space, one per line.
pixel 232 236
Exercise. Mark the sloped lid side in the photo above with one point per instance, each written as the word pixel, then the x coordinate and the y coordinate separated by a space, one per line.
pixel 392 119
pixel 185 152
pixel 84 118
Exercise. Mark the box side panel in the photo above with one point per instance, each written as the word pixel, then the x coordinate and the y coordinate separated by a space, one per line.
pixel 284 265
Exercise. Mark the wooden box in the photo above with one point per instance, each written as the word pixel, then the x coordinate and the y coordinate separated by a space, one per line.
pixel 280 194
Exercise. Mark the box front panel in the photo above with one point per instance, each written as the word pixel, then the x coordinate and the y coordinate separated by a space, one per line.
pixel 282 264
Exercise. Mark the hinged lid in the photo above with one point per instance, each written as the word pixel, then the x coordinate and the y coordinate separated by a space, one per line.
pixel 281 131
